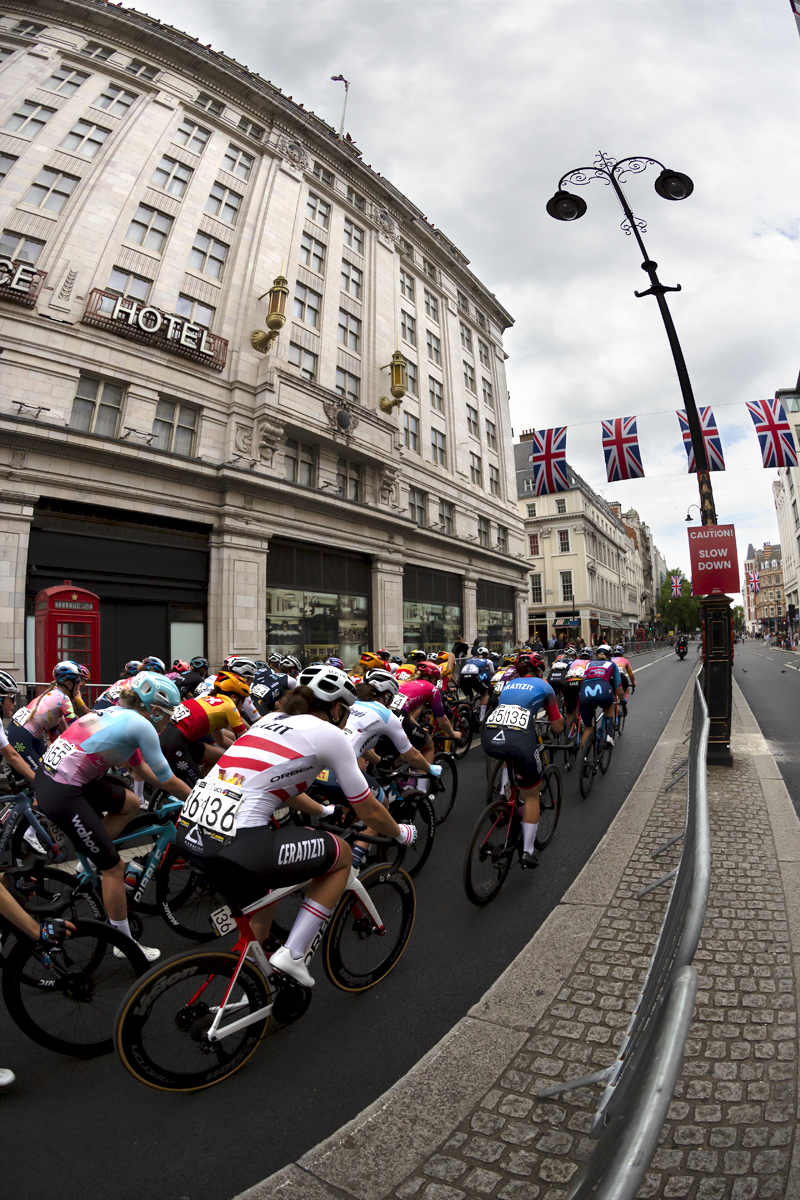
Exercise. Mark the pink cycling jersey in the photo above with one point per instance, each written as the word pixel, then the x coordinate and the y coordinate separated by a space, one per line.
pixel 44 713
pixel 623 665
pixel 418 692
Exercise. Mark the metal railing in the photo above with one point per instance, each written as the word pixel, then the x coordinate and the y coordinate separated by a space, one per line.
pixel 640 1082
pixel 29 690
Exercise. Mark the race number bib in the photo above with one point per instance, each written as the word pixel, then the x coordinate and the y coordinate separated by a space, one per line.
pixel 57 753
pixel 510 716
pixel 180 713
pixel 498 686
pixel 213 805
pixel 222 921
pixel 21 716
pixel 259 690
pixel 397 702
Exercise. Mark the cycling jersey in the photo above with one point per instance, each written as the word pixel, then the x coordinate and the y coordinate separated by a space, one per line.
pixel 188 682
pixel 623 665
pixel 478 666
pixel 603 669
pixel 3 739
pixel 577 670
pixel 368 721
pixel 98 741
pixel 414 694
pixel 531 693
pixel 558 671
pixel 110 696
pixel 44 713
pixel 267 688
pixel 196 717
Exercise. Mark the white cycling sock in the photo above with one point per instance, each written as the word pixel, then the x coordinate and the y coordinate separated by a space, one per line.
pixel 483 711
pixel 307 925
pixel 122 926
pixel 529 837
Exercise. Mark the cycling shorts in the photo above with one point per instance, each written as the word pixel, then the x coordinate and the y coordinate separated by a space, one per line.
pixel 571 691
pixel 181 754
pixel 594 692
pixel 519 748
pixel 261 858
pixel 626 683
pixel 26 745
pixel 474 685
pixel 78 810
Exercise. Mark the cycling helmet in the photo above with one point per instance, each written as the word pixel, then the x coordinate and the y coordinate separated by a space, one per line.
pixel 180 666
pixel 483 652
pixel 603 649
pixel 159 696
pixel 417 656
pixel 274 660
pixel 132 668
pixel 291 663
pixel 571 652
pixel 66 672
pixel 240 666
pixel 86 674
pixel 510 659
pixel 151 663
pixel 586 652
pixel 328 684
pixel 442 656
pixel 370 662
pixel 198 664
pixel 619 648
pixel 8 684
pixel 382 681
pixel 336 662
pixel 260 664
pixel 405 672
pixel 429 670
pixel 384 654
pixel 231 684
pixel 529 662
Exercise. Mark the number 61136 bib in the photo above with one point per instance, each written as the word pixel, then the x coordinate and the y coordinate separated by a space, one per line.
pixel 213 805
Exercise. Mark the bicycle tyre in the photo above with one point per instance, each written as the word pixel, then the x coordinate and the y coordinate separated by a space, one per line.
pixel 488 845
pixel 355 956
pixel 442 791
pixel 604 756
pixel 621 718
pixel 162 1045
pixel 462 723
pixel 495 791
pixel 82 1025
pixel 414 808
pixel 23 854
pixel 549 806
pixel 149 905
pixel 585 766
pixel 185 897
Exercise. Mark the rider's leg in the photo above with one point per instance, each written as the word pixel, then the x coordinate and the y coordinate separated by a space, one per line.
pixel 530 816
pixel 321 898
pixel 608 727
pixel 114 823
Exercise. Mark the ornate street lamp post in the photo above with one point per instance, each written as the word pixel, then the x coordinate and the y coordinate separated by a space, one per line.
pixel 670 185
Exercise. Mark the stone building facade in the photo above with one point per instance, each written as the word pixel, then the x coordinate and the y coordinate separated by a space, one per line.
pixel 217 498
pixel 765 610
pixel 786 494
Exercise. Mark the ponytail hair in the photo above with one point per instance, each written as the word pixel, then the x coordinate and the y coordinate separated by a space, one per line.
pixel 365 691
pixel 299 701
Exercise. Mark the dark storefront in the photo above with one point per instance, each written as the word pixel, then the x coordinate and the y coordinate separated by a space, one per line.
pixel 495 604
pixel 317 602
pixel 432 616
pixel 151 574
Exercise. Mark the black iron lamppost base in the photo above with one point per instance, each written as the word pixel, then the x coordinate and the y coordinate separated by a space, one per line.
pixel 718 676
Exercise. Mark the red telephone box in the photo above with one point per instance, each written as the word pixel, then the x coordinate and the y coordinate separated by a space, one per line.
pixel 67 626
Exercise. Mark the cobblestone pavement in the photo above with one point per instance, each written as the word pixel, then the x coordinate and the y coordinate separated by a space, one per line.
pixel 730 1128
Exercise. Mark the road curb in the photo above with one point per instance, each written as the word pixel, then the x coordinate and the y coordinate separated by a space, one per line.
pixel 372 1154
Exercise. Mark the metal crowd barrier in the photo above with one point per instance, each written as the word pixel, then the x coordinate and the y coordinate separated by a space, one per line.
pixel 29 690
pixel 640 1082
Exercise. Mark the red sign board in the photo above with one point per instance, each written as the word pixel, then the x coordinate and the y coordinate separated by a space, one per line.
pixel 714 562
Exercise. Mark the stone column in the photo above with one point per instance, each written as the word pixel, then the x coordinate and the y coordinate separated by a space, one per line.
pixel 16 514
pixel 521 616
pixel 387 604
pixel 469 616
pixel 237 617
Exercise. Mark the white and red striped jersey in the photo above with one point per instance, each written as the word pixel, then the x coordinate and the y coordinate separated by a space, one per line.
pixel 279 757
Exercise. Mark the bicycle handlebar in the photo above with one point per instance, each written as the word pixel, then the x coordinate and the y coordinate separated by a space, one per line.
pixel 352 833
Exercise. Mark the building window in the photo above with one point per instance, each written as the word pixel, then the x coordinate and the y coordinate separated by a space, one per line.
pixel 494 480
pixel 794 513
pixel 19 247
pixel 408 328
pixel 481 319
pixel 463 302
pixel 352 279
pixel 124 283
pixel 6 163
pixel 307 304
pixel 411 431
pixel 96 407
pixel 215 107
pixel 446 516
pixel 141 69
pixel 29 119
pixel 483 353
pixel 566 586
pixel 256 132
pixel 172 176
pixel 406 284
pixel 29 28
pixel 347 385
pixel 208 255
pixel 476 470
pixel 484 532
pixel 536 589
pixel 502 538
pixel 299 463
pixel 413 378
pixel 488 397
pixel 195 312
pixel 561 506
pixel 529 485
pixel 416 506
pixel 469 377
pixel 435 394
pixel 312 253
pixel 238 162
pixel 86 139
pixel 354 199
pixel 323 174
pixel 116 100
pixel 51 190
pixel 353 236
pixel 348 479
pixel 531 510
pixel 66 81
pixel 434 348
pixel 533 545
pixel 175 427
pixel 439 447
pixel 318 211
pixel 429 268
pixel 407 248
pixel 472 421
pixel 223 204
pixel 563 541
pixel 431 307
pixel 95 50
pixel 466 336
pixel 149 228
pixel 349 330
pixel 304 359
pixel 194 137
pixel 491 435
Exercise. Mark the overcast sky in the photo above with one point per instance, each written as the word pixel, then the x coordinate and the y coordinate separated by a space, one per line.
pixel 475 110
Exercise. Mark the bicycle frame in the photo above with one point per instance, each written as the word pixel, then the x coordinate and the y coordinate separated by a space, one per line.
pixel 20 805
pixel 166 836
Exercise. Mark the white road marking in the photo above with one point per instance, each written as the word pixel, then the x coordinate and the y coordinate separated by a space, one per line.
pixel 651 664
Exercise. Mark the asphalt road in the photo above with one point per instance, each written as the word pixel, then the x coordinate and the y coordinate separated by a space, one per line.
pixel 89 1129
pixel 770 680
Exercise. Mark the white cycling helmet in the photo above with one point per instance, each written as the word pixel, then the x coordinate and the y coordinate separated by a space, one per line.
pixel 603 648
pixel 8 685
pixel 240 666
pixel 382 681
pixel 328 684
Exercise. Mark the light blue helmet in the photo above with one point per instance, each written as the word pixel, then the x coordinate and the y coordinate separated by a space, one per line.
pixel 158 695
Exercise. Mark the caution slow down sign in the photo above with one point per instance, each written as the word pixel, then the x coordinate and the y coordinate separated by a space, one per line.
pixel 714 562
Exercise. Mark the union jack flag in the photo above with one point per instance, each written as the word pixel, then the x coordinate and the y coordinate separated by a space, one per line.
pixel 621 448
pixel 676 585
pixel 708 426
pixel 755 583
pixel 549 460
pixel 774 433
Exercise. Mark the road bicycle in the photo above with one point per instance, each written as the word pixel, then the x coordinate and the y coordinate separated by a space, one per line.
pixel 595 752
pixel 196 1018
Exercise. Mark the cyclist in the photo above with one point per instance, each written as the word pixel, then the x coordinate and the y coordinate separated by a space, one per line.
pixel 71 791
pixel 29 726
pixel 8 691
pixel 511 737
pixel 371 718
pixel 557 674
pixel 600 684
pixel 405 671
pixel 196 733
pixel 573 680
pixel 272 765
pixel 155 664
pixel 626 672
pixel 291 665
pixel 368 662
pixel 447 663
pixel 476 676
pixel 268 687
pixel 193 676
pixel 417 694
pixel 110 696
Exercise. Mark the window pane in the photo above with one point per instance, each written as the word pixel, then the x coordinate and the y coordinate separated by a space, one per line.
pixel 81 415
pixel 163 432
pixel 184 440
pixel 106 423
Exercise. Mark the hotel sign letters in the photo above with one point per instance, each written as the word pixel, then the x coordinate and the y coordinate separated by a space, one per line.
pixel 154 327
pixel 20 282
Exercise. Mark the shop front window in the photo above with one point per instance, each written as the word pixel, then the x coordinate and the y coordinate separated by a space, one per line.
pixel 430 627
pixel 316 625
pixel 496 629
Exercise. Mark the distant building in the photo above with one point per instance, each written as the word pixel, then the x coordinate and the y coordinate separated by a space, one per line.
pixel 765 610
pixel 786 493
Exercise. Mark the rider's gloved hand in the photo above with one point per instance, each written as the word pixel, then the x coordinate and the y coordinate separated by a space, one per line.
pixel 52 933
pixel 407 835
pixel 435 770
pixel 328 810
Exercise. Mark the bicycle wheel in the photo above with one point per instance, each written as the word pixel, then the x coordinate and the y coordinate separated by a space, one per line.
pixel 442 791
pixel 489 853
pixel 185 897
pixel 356 956
pixel 497 790
pixel 66 1000
pixel 622 714
pixel 23 853
pixel 163 1021
pixel 585 766
pixel 604 750
pixel 414 808
pixel 549 806
pixel 462 723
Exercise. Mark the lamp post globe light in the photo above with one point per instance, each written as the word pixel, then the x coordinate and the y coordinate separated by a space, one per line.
pixel 670 185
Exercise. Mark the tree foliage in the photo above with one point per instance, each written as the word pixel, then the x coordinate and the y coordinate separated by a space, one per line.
pixel 679 613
